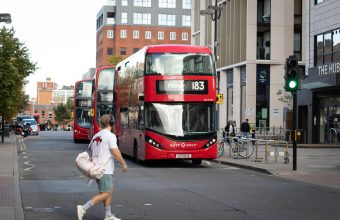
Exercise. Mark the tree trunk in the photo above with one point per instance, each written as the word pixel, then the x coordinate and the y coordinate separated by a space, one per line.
pixel 3 129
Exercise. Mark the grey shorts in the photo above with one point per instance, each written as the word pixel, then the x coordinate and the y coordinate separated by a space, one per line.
pixel 105 184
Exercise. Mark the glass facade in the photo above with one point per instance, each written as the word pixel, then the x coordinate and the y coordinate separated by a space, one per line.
pixel 327 47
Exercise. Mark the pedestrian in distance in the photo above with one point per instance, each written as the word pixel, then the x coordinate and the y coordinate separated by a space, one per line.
pixel 245 128
pixel 229 129
pixel 102 153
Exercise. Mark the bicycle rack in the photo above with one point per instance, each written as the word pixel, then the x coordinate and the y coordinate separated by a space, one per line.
pixel 276 153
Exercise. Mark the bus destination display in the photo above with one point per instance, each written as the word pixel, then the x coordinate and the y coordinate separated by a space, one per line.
pixel 182 86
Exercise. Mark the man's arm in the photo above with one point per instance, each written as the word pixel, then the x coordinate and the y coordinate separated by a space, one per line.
pixel 118 156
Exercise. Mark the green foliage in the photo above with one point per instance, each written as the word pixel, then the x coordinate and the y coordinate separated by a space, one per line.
pixel 15 66
pixel 71 87
pixel 285 97
pixel 114 60
pixel 63 113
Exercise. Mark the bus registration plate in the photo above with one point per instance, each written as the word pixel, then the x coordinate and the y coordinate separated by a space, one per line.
pixel 183 155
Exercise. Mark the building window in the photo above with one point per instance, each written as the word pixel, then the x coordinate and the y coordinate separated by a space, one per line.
pixel 186 4
pixel 123 51
pixel 43 114
pixel 135 50
pixel 110 51
pixel 111 2
pixel 336 45
pixel 186 20
pixel 124 2
pixel 124 18
pixel 142 3
pixel 110 21
pixel 49 115
pixel 147 34
pixel 122 33
pixel 141 18
pixel 168 20
pixel 318 1
pixel 135 34
pixel 172 35
pixel 327 48
pixel 109 33
pixel 185 36
pixel 160 35
pixel 100 21
pixel 167 3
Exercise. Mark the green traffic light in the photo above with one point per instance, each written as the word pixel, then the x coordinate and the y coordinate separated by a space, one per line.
pixel 292 84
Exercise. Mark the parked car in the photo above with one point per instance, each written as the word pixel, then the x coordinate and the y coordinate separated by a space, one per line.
pixel 33 125
pixel 18 122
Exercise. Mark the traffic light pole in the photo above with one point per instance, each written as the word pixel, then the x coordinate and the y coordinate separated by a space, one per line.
pixel 294 128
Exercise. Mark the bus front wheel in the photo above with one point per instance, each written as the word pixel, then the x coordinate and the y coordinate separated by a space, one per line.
pixel 196 161
pixel 135 152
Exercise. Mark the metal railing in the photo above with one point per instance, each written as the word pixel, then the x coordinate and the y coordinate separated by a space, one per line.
pixel 235 142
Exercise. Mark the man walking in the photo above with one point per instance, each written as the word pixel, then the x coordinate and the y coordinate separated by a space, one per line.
pixel 245 128
pixel 105 146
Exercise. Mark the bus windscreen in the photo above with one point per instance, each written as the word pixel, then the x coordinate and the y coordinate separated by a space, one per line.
pixel 180 119
pixel 179 64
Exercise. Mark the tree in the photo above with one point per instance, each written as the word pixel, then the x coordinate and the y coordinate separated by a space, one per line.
pixel 15 66
pixel 63 113
pixel 71 87
pixel 285 97
pixel 114 60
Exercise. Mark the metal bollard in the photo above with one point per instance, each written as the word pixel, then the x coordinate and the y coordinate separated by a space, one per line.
pixel 266 152
pixel 276 153
pixel 286 159
pixel 230 150
pixel 256 152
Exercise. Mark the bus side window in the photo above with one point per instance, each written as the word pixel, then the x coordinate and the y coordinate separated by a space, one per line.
pixel 124 117
pixel 140 121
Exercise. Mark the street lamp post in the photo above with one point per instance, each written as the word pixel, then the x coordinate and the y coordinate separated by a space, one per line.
pixel 5 17
pixel 215 12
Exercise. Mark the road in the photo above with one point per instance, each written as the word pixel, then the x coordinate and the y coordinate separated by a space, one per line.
pixel 51 187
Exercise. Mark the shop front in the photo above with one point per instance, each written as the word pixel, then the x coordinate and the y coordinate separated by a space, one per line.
pixel 321 92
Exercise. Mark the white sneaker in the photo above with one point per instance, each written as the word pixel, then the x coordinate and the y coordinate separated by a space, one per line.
pixel 80 212
pixel 112 217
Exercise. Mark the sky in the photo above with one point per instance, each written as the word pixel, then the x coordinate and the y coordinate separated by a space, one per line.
pixel 60 36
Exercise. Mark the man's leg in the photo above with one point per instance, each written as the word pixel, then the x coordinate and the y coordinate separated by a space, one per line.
pixel 107 205
pixel 100 197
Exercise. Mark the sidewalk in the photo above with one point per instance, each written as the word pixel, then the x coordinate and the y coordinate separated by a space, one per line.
pixel 319 166
pixel 10 197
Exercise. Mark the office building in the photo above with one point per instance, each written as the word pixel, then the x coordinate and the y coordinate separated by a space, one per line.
pixel 319 101
pixel 125 26
pixel 254 38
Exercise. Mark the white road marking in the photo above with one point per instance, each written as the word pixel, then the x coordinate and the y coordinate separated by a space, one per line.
pixel 321 166
pixel 147 204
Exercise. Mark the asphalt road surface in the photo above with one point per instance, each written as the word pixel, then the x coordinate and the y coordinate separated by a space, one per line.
pixel 51 187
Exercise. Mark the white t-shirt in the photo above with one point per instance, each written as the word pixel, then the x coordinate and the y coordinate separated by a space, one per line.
pixel 101 147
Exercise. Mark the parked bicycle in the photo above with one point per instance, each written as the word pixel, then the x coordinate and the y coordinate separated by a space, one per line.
pixel 244 147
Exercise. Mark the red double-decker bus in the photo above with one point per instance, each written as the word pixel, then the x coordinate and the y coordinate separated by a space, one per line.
pixel 104 96
pixel 167 103
pixel 81 113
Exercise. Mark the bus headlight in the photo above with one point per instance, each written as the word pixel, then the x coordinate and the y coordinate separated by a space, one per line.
pixel 153 142
pixel 211 142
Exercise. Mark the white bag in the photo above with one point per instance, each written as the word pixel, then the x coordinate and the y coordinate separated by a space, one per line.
pixel 87 167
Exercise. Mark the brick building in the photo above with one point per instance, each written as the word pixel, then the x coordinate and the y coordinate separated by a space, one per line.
pixel 48 96
pixel 123 27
